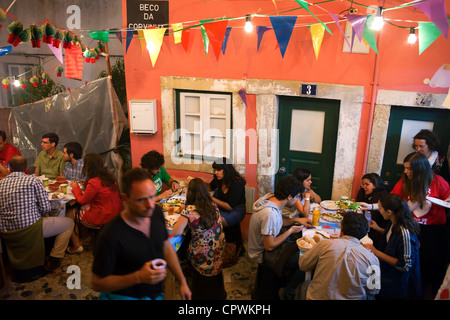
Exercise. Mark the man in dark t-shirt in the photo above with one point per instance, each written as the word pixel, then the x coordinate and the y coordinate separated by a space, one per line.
pixel 127 245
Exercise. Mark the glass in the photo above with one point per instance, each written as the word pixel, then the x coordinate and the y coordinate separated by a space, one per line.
pixel 307 131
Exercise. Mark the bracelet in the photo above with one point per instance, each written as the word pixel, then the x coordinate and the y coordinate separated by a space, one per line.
pixel 137 277
pixel 306 199
pixel 372 206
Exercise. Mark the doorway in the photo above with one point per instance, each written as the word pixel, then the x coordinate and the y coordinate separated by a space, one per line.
pixel 404 124
pixel 308 130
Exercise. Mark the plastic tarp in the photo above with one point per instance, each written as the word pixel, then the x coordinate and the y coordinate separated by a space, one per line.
pixel 90 115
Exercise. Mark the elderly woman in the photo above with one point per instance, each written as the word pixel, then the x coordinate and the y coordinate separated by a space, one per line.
pixel 100 201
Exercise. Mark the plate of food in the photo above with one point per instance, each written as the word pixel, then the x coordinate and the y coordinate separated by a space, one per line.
pixel 308 241
pixel 347 204
pixel 439 202
pixel 331 217
pixel 55 196
pixel 329 205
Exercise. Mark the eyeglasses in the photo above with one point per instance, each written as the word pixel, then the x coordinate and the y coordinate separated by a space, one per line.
pixel 46 142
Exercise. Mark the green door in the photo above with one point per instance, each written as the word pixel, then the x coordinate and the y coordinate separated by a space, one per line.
pixel 404 124
pixel 307 138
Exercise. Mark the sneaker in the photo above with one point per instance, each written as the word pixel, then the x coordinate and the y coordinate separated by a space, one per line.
pixel 78 250
pixel 52 264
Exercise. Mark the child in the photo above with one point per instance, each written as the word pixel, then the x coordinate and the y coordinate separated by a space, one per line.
pixel 207 242
pixel 398 250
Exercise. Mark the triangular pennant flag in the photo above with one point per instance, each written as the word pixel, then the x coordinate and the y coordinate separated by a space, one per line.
pixel 142 40
pixel 243 96
pixel 275 4
pixel 204 34
pixel 336 20
pixel 283 26
pixel 260 32
pixel 154 39
pixel 225 39
pixel 176 32
pixel 435 11
pixel 369 34
pixel 130 35
pixel 74 62
pixel 358 22
pixel 304 5
pixel 317 31
pixel 428 33
pixel 185 39
pixel 441 77
pixel 119 35
pixel 216 33
pixel 57 52
pixel 99 35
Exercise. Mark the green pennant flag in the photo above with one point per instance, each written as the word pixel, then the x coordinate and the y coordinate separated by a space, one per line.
pixel 369 34
pixel 205 35
pixel 99 35
pixel 304 5
pixel 428 33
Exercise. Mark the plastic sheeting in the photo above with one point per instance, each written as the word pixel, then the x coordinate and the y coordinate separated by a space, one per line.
pixel 90 115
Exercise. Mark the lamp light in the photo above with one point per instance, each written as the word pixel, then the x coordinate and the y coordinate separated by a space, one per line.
pixel 16 83
pixel 248 24
pixel 378 22
pixel 412 38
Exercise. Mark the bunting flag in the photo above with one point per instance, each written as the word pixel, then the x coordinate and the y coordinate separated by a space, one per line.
pixel 176 33
pixel 369 34
pixel 74 62
pixel 5 50
pixel 99 35
pixel 435 11
pixel 154 39
pixel 275 4
pixel 283 26
pixel 205 35
pixel 130 35
pixel 57 52
pixel 358 22
pixel 428 33
pixel 185 39
pixel 142 39
pixel 260 30
pixel 441 78
pixel 336 20
pixel 216 33
pixel 317 31
pixel 304 5
pixel 119 35
pixel 225 39
pixel 243 96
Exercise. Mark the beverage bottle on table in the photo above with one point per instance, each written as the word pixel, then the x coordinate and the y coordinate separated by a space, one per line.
pixel 316 216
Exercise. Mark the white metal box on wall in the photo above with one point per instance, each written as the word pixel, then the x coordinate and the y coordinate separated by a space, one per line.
pixel 143 116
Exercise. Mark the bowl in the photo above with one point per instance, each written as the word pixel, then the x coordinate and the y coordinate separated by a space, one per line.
pixel 53 187
pixel 303 245
pixel 61 180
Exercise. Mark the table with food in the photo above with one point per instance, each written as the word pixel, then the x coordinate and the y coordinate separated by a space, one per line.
pixel 59 194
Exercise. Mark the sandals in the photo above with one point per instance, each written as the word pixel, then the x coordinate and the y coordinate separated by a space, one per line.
pixel 78 250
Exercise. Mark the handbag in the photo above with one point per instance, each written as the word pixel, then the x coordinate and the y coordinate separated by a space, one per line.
pixel 229 255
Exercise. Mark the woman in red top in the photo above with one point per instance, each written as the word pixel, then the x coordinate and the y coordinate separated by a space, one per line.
pixel 417 186
pixel 100 201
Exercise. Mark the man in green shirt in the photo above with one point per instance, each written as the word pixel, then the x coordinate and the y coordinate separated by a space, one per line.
pixel 153 162
pixel 50 161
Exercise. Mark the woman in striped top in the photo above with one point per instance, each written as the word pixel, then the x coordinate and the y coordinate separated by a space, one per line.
pixel 398 250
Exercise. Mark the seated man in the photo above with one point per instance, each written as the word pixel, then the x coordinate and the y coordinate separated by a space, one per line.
pixel 24 201
pixel 153 162
pixel 7 151
pixel 266 242
pixel 72 154
pixel 343 268
pixel 50 161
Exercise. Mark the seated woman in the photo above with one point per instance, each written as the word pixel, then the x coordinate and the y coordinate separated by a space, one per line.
pixel 207 243
pixel 153 162
pixel 302 206
pixel 100 200
pixel 229 195
pixel 372 189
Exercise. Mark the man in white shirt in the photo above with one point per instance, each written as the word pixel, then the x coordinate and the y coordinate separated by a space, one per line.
pixel 343 268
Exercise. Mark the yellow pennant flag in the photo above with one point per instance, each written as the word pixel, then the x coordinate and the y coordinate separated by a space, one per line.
pixel 176 33
pixel 154 39
pixel 317 32
pixel 141 39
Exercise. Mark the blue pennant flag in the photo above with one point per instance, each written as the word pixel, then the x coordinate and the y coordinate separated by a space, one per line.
pixel 283 26
pixel 225 39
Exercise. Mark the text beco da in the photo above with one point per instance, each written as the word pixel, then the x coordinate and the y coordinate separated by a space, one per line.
pixel 148 10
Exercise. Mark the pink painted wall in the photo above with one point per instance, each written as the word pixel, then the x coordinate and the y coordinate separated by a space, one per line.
pixel 398 64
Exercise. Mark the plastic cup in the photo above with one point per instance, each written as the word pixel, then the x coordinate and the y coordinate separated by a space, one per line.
pixel 45 182
pixel 63 188
pixel 158 264
pixel 171 210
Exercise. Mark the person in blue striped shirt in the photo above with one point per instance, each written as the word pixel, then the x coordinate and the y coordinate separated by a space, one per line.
pixel 73 153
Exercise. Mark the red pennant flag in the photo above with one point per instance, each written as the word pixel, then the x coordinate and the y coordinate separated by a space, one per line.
pixel 216 33
pixel 74 62
pixel 185 39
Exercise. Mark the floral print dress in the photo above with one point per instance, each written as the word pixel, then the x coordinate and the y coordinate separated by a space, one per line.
pixel 206 246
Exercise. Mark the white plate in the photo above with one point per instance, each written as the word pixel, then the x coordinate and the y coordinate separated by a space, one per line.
pixel 439 202
pixel 60 196
pixel 329 205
